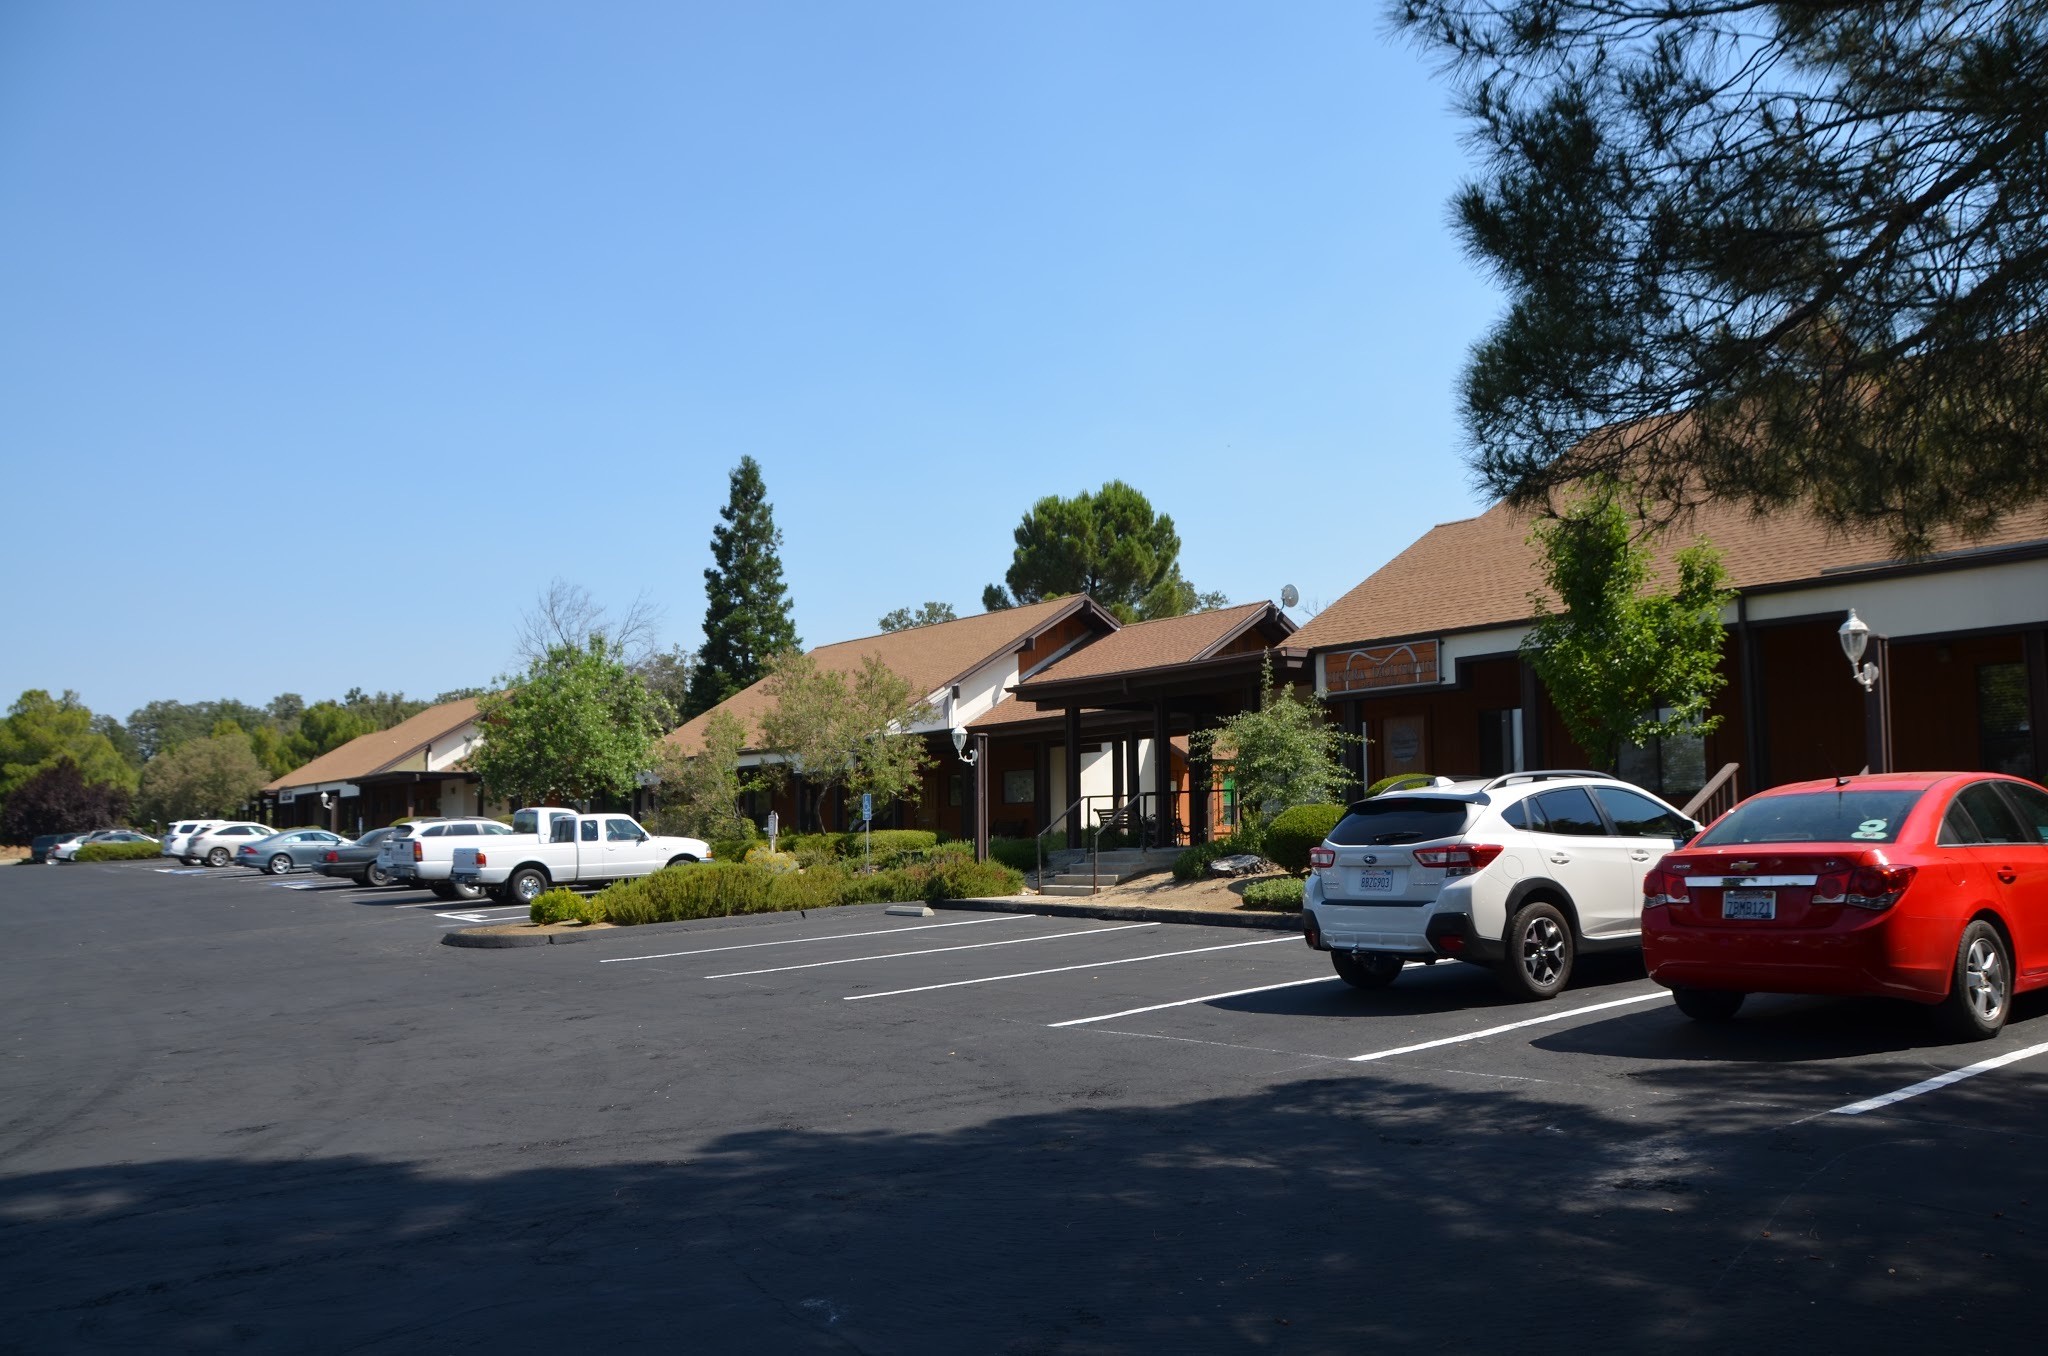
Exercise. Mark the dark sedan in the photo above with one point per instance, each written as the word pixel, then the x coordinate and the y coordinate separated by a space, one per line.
pixel 358 860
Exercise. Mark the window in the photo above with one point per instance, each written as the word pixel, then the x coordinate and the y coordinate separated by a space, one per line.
pixel 1522 815
pixel 1674 767
pixel 1989 812
pixel 2005 737
pixel 1846 816
pixel 1637 816
pixel 563 830
pixel 1386 820
pixel 590 831
pixel 489 830
pixel 438 831
pixel 1958 829
pixel 621 831
pixel 462 831
pixel 2032 805
pixel 1020 787
pixel 1569 810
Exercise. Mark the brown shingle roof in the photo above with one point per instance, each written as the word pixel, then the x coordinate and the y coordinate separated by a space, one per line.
pixel 1480 571
pixel 370 753
pixel 1155 644
pixel 928 657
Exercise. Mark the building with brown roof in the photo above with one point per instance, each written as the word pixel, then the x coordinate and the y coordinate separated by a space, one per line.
pixel 419 766
pixel 1421 658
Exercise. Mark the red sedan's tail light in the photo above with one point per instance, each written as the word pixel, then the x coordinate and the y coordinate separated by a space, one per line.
pixel 417 854
pixel 1459 859
pixel 1867 887
pixel 1663 886
pixel 1320 857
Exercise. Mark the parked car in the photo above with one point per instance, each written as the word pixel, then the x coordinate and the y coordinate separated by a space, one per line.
pixel 176 836
pixel 1926 886
pixel 216 845
pixel 292 850
pixel 552 847
pixel 39 848
pixel 357 861
pixel 66 849
pixel 1520 873
pixel 422 851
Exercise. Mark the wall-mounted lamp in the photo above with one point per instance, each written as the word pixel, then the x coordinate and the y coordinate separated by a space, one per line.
pixel 960 744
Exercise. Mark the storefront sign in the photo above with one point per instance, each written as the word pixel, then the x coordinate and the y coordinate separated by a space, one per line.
pixel 1390 666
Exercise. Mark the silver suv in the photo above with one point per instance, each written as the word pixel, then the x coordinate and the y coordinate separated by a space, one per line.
pixel 1520 872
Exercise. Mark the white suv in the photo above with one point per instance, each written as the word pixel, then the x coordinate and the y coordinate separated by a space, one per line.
pixel 179 834
pixel 215 845
pixel 1520 873
pixel 422 852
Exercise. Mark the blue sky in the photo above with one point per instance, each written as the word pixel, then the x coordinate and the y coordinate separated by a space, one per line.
pixel 332 332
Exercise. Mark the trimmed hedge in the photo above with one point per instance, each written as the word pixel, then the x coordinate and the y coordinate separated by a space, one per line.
pixel 720 889
pixel 1019 854
pixel 1275 892
pixel 119 852
pixel 1293 832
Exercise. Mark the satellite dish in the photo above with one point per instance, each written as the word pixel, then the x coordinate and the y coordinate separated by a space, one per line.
pixel 1289 596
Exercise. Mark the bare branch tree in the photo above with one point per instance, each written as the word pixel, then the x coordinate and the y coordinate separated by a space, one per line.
pixel 567 614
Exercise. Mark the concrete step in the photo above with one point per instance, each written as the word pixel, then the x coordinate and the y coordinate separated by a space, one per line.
pixel 1106 878
pixel 1066 891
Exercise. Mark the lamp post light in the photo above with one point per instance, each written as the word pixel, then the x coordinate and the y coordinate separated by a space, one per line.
pixel 977 785
pixel 1856 640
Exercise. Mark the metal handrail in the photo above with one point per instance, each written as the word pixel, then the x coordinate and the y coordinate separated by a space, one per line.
pixel 1709 793
pixel 1095 843
pixel 1048 829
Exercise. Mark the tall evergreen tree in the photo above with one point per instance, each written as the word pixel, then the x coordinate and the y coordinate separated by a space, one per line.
pixel 747 617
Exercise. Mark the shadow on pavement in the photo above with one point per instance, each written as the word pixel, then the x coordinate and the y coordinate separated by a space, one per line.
pixel 1321 1215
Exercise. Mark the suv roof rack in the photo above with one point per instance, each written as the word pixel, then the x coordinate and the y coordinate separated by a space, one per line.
pixel 1511 778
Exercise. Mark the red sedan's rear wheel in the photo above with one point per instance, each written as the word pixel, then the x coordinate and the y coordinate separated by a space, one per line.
pixel 1980 988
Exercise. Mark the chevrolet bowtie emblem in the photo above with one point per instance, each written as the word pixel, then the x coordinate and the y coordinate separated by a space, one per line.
pixel 1742 866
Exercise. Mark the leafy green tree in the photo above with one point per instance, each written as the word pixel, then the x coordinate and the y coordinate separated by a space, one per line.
pixel 117 735
pixel 1109 544
pixel 845 734
pixel 161 726
pixel 58 799
pixel 931 614
pixel 216 775
pixel 699 793
pixel 41 731
pixel 382 709
pixel 324 727
pixel 667 675
pixel 1284 753
pixel 577 725
pixel 746 619
pixel 1817 232
pixel 1620 653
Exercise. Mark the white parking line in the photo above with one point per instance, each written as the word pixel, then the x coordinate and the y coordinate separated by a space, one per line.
pixel 934 951
pixel 1564 1016
pixel 1062 969
pixel 1205 998
pixel 837 936
pixel 1940 1080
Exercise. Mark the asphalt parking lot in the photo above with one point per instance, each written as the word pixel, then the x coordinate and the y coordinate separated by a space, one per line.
pixel 238 1113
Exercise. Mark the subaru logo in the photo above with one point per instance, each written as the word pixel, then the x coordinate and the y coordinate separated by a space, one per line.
pixel 1369 859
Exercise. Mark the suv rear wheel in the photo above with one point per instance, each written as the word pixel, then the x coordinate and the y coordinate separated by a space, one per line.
pixel 1540 951
pixel 1366 969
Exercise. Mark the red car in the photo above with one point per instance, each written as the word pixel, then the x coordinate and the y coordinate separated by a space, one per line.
pixel 1930 886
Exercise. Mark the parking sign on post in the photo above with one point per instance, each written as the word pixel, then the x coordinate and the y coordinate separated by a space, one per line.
pixel 867 822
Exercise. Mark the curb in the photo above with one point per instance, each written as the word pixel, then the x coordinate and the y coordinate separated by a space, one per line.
pixel 1126 913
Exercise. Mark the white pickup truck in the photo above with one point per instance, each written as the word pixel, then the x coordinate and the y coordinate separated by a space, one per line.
pixel 550 847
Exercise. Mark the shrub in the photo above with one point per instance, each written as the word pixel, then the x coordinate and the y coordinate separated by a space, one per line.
pixel 1275 892
pixel 626 905
pixel 890 844
pixel 554 906
pixel 1293 832
pixel 119 852
pixel 1400 781
pixel 1019 854
pixel 1193 863
pixel 821 887
pixel 965 878
pixel 770 861
pixel 730 849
